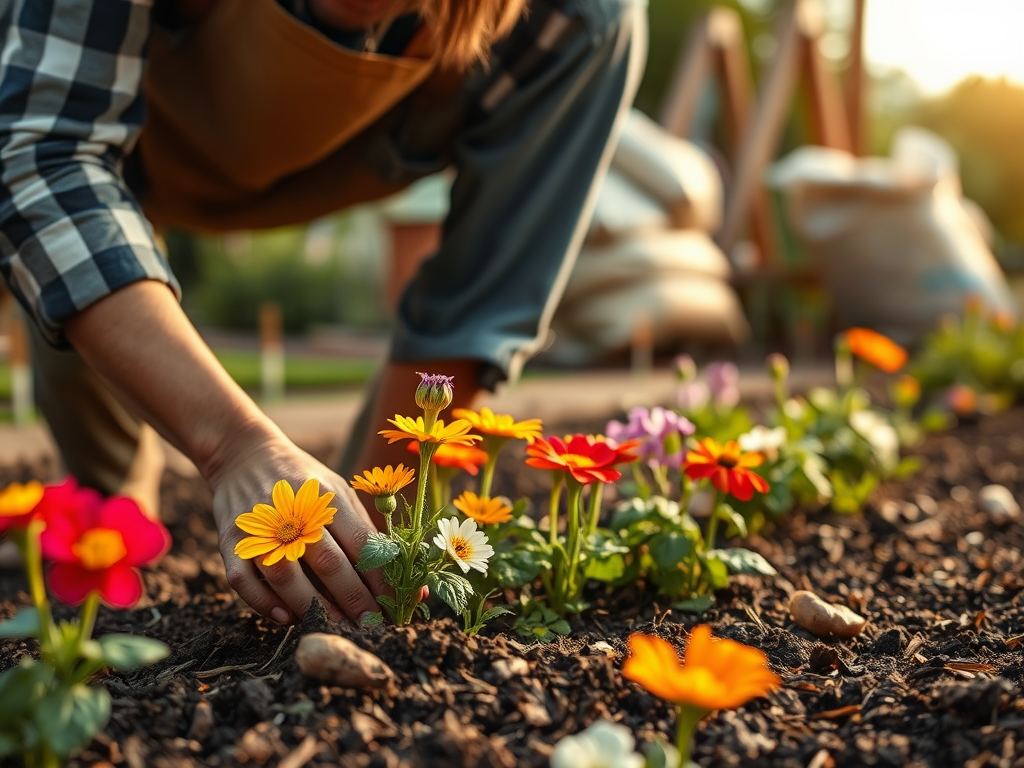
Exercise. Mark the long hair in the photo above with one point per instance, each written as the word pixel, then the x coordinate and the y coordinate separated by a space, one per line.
pixel 464 30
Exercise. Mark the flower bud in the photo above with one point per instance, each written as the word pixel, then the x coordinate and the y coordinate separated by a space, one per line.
pixel 386 505
pixel 778 366
pixel 906 391
pixel 434 392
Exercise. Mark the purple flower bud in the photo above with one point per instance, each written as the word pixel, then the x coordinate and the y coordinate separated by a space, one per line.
pixel 723 381
pixel 685 368
pixel 434 392
pixel 693 396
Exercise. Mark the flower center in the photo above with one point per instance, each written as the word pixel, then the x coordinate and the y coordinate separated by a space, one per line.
pixel 99 548
pixel 728 461
pixel 288 532
pixel 462 548
pixel 576 460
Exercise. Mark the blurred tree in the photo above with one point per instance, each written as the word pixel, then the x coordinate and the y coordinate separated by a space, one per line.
pixel 984 120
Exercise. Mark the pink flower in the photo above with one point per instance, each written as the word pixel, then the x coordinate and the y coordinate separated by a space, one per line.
pixel 97 545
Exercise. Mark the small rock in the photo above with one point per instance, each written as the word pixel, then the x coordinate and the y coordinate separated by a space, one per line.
pixel 819 618
pixel 975 538
pixel 604 648
pixel 506 669
pixel 998 503
pixel 255 700
pixel 202 722
pixel 960 493
pixel 333 659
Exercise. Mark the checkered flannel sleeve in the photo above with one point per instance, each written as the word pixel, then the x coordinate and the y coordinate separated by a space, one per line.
pixel 70 109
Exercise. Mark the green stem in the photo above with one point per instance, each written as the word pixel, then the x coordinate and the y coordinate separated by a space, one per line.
pixel 643 487
pixel 27 542
pixel 488 474
pixel 594 515
pixel 713 523
pixel 575 531
pixel 436 490
pixel 426 454
pixel 687 718
pixel 556 495
pixel 87 620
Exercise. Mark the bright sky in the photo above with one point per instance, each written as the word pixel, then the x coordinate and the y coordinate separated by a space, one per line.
pixel 939 42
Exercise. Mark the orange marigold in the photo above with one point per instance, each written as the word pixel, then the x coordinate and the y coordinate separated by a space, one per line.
pixel 881 351
pixel 482 509
pixel 714 674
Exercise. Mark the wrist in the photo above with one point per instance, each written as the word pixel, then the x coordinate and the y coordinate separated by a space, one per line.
pixel 234 447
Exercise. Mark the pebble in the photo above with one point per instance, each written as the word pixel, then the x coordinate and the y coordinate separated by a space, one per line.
pixel 202 722
pixel 998 503
pixel 823 619
pixel 506 669
pixel 336 660
pixel 975 538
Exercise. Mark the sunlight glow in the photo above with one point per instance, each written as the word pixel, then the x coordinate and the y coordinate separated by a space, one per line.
pixel 940 42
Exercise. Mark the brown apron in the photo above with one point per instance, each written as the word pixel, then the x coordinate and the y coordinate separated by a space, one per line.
pixel 251 116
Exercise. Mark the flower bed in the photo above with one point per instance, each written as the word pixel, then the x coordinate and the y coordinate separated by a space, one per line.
pixel 933 678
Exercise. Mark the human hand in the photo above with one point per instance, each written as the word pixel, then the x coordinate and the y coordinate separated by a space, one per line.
pixel 256 460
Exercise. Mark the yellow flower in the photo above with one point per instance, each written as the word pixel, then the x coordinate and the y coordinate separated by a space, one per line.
pixel 715 674
pixel 284 529
pixel 414 429
pixel 18 503
pixel 482 509
pixel 384 482
pixel 501 425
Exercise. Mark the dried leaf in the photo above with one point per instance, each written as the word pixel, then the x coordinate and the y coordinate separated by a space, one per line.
pixel 835 714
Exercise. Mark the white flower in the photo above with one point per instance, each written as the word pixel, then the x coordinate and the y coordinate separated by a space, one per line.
pixel 602 745
pixel 467 546
pixel 764 440
pixel 880 434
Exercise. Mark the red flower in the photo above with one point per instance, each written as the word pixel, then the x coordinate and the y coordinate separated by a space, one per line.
pixel 728 467
pixel 97 545
pixel 586 459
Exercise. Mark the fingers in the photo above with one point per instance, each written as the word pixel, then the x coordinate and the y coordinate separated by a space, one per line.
pixel 286 579
pixel 340 578
pixel 245 580
pixel 351 533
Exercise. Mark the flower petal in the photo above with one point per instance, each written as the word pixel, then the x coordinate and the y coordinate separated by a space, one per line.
pixel 284 497
pixel 122 586
pixel 71 583
pixel 254 546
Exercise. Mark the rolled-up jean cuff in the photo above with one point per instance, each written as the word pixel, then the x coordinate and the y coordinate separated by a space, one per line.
pixel 501 358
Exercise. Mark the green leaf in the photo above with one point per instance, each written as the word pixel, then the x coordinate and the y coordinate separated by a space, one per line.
pixel 741 560
pixel 131 651
pixel 378 551
pixel 697 605
pixel 68 718
pixel 20 688
pixel 520 507
pixel 372 620
pixel 606 569
pixel 495 612
pixel 514 568
pixel 25 623
pixel 715 573
pixel 8 745
pixel 661 755
pixel 909 465
pixel 736 522
pixel 671 548
pixel 560 627
pixel 389 605
pixel 452 588
pixel 424 609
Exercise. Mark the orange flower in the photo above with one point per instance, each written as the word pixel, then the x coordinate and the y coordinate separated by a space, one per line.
pixel 715 673
pixel 18 504
pixel 728 467
pixel 384 482
pixel 881 351
pixel 482 509
pixel 415 429
pixel 468 459
pixel 284 530
pixel 500 425
pixel 583 458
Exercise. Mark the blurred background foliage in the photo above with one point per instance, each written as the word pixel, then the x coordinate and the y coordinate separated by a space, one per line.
pixel 328 274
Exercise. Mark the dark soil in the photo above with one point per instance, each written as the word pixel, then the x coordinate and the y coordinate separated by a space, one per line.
pixel 934 680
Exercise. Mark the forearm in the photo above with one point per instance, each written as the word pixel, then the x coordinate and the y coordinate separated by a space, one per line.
pixel 140 342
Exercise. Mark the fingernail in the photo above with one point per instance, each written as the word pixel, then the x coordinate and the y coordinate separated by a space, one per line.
pixel 280 615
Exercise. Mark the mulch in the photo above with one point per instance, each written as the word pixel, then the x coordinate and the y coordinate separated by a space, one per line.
pixel 934 680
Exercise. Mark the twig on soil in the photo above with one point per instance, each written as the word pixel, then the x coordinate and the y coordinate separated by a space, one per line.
pixel 224 670
pixel 302 754
pixel 279 648
pixel 175 670
pixel 835 714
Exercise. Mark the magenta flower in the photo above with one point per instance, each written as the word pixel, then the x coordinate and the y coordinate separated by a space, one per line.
pixel 97 545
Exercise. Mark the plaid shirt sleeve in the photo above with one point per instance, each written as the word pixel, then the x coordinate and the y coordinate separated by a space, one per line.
pixel 70 109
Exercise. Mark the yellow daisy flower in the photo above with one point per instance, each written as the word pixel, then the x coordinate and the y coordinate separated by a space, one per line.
pixel 284 529
pixel 501 425
pixel 482 509
pixel 415 429
pixel 384 482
